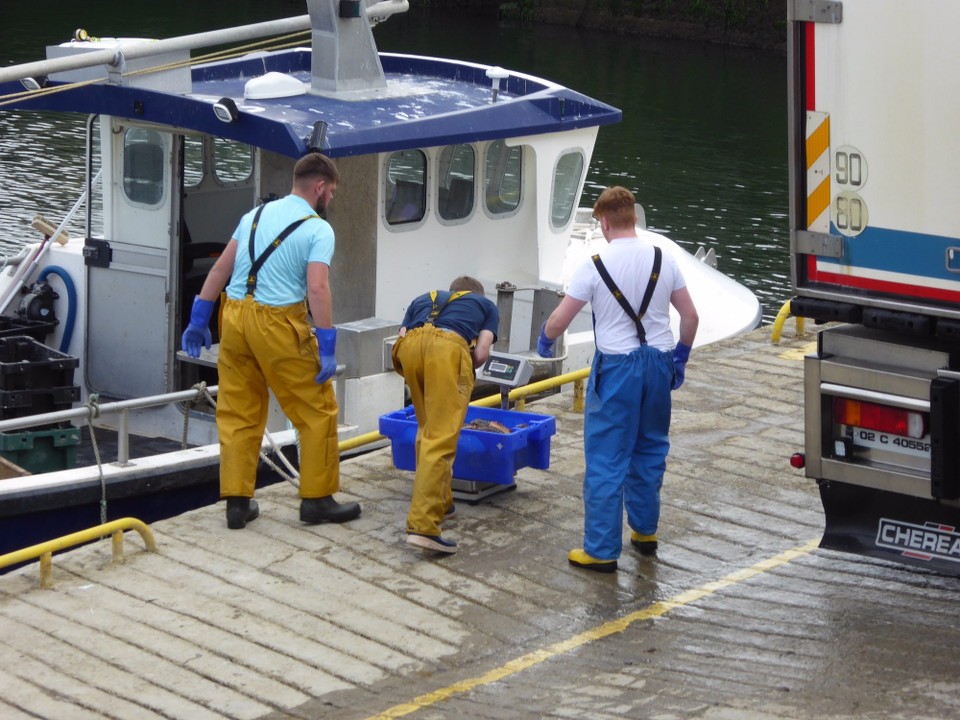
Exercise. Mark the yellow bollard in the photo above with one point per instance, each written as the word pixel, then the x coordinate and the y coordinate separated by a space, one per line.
pixel 579 396
pixel 781 319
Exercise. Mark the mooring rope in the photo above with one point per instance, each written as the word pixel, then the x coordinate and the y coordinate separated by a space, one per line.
pixel 93 404
pixel 291 475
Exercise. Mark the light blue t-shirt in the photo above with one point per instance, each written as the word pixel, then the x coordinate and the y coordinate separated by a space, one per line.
pixel 282 279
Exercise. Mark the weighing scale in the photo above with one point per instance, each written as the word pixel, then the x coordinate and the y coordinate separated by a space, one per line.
pixel 507 371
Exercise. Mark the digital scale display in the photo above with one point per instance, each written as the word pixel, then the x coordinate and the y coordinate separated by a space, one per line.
pixel 507 370
pixel 501 368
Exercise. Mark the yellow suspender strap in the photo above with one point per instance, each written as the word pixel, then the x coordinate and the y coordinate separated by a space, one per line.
pixel 438 308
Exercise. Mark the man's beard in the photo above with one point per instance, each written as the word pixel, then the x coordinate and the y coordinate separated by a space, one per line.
pixel 320 206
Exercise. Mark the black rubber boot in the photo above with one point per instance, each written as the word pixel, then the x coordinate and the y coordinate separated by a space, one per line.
pixel 326 509
pixel 240 511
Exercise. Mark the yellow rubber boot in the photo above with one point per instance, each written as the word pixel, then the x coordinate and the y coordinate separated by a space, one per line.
pixel 579 558
pixel 646 544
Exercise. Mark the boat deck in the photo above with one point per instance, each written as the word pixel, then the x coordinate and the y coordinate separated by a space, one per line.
pixel 740 615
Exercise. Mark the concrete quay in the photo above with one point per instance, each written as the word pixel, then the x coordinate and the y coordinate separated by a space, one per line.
pixel 739 616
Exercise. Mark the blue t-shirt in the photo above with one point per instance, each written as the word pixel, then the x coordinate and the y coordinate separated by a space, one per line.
pixel 282 279
pixel 466 315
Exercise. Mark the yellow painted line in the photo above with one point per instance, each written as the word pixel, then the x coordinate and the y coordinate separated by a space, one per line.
pixel 800 353
pixel 657 609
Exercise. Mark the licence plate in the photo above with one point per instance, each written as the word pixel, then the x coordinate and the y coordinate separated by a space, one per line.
pixel 918 447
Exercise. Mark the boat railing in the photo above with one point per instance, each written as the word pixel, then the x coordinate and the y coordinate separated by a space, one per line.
pixel 92 409
pixel 142 47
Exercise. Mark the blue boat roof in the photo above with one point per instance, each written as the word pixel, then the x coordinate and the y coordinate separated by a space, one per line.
pixel 427 102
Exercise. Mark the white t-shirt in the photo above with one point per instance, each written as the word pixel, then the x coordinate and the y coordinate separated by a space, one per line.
pixel 629 261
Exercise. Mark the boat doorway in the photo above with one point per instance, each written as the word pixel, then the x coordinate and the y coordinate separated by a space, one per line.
pixel 217 185
pixel 128 346
pixel 170 204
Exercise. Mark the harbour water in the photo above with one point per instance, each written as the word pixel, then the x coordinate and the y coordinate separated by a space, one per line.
pixel 702 142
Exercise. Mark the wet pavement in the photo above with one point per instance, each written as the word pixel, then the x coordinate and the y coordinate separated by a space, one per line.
pixel 740 615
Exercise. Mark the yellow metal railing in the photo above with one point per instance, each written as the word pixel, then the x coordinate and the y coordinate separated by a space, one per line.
pixel 781 319
pixel 518 394
pixel 45 550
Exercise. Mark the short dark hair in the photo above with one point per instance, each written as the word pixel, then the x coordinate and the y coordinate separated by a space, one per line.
pixel 315 165
pixel 465 282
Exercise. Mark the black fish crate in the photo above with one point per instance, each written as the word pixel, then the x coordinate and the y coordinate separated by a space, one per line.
pixel 27 364
pixel 37 329
pixel 21 403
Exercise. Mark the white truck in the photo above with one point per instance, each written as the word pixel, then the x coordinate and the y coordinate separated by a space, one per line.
pixel 875 251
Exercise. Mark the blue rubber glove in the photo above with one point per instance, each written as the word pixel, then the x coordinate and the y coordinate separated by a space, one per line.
pixel 681 353
pixel 327 339
pixel 544 344
pixel 197 333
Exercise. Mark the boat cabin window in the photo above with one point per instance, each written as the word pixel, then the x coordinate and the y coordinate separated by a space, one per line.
pixel 192 161
pixel 233 161
pixel 405 187
pixel 504 167
pixel 457 182
pixel 143 166
pixel 566 182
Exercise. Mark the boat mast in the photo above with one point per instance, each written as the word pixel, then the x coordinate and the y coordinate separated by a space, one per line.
pixel 336 67
pixel 145 48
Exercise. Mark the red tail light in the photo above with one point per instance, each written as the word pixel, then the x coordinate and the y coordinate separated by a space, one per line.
pixel 881 418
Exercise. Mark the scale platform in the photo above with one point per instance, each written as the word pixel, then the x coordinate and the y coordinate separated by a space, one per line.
pixel 473 491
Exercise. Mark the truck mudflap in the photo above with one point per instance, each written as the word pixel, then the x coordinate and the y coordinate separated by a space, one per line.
pixel 891 526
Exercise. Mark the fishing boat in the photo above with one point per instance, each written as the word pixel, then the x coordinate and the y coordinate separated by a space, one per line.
pixel 447 168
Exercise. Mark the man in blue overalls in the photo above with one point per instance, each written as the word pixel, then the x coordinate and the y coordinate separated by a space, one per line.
pixel 444 337
pixel 279 254
pixel 635 366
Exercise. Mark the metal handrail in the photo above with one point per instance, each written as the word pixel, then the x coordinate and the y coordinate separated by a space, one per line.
pixel 141 48
pixel 785 312
pixel 93 411
pixel 519 394
pixel 87 411
pixel 45 550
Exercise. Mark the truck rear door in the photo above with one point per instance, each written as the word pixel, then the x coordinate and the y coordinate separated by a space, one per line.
pixel 875 110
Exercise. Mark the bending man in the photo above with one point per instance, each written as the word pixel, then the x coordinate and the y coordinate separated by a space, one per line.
pixel 444 337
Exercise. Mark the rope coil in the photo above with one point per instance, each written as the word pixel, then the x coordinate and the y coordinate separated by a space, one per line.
pixel 290 474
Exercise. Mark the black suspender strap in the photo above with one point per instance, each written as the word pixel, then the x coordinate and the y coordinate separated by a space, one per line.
pixel 435 311
pixel 257 263
pixel 648 293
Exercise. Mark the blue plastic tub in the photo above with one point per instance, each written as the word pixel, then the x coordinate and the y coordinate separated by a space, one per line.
pixel 481 455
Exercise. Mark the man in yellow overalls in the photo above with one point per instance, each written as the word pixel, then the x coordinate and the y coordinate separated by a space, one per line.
pixel 444 337
pixel 279 254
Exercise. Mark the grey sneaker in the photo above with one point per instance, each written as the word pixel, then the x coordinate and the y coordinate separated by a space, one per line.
pixel 432 542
